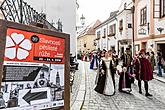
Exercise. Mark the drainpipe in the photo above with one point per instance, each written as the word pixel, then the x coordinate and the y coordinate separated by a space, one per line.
pixel 133 36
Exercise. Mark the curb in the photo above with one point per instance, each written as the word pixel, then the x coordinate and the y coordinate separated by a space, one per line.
pixel 79 102
pixel 161 79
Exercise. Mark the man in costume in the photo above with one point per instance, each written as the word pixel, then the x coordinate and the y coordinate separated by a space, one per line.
pixel 115 58
pixel 143 70
pixel 126 58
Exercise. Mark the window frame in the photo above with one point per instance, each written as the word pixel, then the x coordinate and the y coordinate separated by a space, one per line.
pixel 104 33
pixel 121 25
pixel 98 34
pixel 112 30
pixel 162 8
pixel 143 16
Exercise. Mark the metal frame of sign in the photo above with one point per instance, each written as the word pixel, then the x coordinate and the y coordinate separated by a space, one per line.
pixel 4 25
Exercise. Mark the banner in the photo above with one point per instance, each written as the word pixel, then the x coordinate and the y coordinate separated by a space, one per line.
pixel 33 72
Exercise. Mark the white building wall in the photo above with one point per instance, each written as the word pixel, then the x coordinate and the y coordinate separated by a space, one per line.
pixel 159 23
pixel 142 4
pixel 97 41
pixel 107 42
pixel 112 41
pixel 103 40
pixel 128 4
pixel 126 33
pixel 120 34
pixel 129 21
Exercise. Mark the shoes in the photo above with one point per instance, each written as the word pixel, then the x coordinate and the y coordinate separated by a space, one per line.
pixel 147 94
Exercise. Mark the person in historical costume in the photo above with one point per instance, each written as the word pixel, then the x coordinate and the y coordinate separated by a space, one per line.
pixel 126 58
pixel 160 61
pixel 115 58
pixel 105 84
pixel 143 71
pixel 148 56
pixel 125 80
pixel 87 54
pixel 83 56
pixel 100 55
pixel 153 63
pixel 94 61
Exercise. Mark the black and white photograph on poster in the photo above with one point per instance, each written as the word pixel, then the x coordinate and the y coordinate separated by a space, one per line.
pixel 41 87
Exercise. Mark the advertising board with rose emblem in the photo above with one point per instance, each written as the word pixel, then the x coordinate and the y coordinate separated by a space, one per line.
pixel 34 67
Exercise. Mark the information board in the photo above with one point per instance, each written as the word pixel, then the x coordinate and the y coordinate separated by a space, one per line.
pixel 34 74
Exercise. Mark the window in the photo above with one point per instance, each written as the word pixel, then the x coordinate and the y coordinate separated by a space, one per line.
pixel 162 8
pixel 143 16
pixel 98 34
pixel 120 25
pixel 104 35
pixel 112 30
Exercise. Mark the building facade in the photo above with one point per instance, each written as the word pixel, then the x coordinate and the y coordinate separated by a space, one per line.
pixel 86 37
pixel 124 30
pixel 116 32
pixel 106 33
pixel 150 25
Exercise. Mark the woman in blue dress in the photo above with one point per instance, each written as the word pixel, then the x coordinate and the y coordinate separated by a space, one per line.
pixel 94 61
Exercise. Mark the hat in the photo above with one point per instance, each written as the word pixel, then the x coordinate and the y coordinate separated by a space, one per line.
pixel 142 50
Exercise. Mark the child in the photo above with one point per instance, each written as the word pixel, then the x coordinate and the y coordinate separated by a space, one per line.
pixel 125 81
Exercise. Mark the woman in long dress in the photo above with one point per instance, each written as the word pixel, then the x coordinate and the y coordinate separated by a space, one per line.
pixel 105 84
pixel 125 80
pixel 94 61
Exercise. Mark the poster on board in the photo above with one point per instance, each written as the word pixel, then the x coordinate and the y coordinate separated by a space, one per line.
pixel 33 71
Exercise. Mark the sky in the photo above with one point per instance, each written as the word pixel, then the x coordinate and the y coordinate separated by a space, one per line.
pixel 97 9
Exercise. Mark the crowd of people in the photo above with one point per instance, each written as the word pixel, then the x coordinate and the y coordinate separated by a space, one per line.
pixel 128 67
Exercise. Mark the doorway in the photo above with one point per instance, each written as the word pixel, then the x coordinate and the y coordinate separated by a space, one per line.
pixel 144 45
pixel 161 48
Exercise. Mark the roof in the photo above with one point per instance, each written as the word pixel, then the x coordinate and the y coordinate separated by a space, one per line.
pixel 111 17
pixel 90 29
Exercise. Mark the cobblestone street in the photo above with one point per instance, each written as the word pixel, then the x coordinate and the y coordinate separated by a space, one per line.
pixel 76 84
pixel 123 101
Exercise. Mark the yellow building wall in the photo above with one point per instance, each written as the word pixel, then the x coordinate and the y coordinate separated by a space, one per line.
pixel 88 40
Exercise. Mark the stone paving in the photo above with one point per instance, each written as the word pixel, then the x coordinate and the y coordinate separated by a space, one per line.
pixel 123 101
pixel 78 94
pixel 76 84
